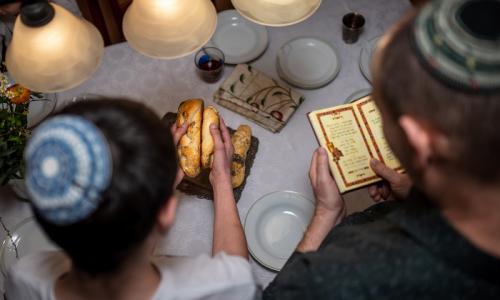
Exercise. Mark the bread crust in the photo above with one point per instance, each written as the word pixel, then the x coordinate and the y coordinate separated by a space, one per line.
pixel 188 150
pixel 241 142
pixel 210 116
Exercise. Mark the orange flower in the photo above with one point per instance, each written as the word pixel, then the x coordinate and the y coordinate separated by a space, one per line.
pixel 18 94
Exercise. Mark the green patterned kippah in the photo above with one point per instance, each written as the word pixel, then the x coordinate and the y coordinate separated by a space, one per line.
pixel 458 42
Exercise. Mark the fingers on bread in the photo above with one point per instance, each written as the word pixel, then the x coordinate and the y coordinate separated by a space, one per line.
pixel 210 116
pixel 190 111
pixel 241 142
pixel 196 147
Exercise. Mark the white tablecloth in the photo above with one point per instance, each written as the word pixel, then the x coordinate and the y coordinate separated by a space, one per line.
pixel 282 160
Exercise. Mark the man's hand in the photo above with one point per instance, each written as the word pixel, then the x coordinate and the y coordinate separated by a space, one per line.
pixel 177 133
pixel 395 183
pixel 330 207
pixel 220 175
pixel 326 192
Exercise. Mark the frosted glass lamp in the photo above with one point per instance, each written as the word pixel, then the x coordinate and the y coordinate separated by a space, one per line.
pixel 169 28
pixel 51 49
pixel 276 12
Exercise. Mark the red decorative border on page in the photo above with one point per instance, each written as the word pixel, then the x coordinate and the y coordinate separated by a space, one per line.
pixel 339 110
pixel 370 133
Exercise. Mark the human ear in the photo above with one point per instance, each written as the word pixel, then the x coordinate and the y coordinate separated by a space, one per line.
pixel 419 138
pixel 166 215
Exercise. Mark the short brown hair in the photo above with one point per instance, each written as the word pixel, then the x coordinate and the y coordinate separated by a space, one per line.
pixel 470 120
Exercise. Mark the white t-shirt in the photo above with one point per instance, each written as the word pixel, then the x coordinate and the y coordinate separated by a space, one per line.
pixel 203 277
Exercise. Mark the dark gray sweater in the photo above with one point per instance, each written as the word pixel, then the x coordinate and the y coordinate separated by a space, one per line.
pixel 393 250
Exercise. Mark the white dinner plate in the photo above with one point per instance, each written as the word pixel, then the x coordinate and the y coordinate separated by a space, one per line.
pixel 275 225
pixel 41 109
pixel 357 95
pixel 308 62
pixel 366 56
pixel 26 238
pixel 240 40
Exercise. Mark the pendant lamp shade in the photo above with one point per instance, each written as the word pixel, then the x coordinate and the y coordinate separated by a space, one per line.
pixel 276 12
pixel 58 54
pixel 169 28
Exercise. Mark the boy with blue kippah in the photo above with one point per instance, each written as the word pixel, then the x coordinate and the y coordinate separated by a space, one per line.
pixel 101 176
pixel 437 86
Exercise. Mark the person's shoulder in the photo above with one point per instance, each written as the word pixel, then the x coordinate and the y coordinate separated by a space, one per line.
pixel 380 241
pixel 220 266
pixel 35 274
pixel 372 227
pixel 319 275
pixel 362 260
pixel 205 276
pixel 354 258
pixel 42 264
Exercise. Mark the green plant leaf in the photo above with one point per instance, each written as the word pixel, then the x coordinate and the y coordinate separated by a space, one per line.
pixel 13 135
pixel 14 138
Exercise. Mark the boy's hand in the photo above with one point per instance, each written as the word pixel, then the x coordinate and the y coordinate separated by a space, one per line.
pixel 328 198
pixel 177 133
pixel 395 183
pixel 223 155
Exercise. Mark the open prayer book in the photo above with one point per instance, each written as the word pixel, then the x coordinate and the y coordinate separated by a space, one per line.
pixel 352 134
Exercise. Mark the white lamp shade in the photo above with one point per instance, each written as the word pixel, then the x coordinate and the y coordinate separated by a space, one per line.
pixel 56 56
pixel 169 28
pixel 276 12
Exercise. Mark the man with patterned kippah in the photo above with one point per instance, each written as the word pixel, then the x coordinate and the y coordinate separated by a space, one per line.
pixel 437 85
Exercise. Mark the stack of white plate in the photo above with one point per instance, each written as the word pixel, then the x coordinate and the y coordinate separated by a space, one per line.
pixel 41 109
pixel 240 40
pixel 308 62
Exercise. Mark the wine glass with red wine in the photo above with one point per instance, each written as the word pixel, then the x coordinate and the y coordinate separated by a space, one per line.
pixel 209 64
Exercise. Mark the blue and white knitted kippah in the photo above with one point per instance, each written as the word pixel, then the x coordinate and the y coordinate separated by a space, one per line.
pixel 68 165
pixel 458 42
